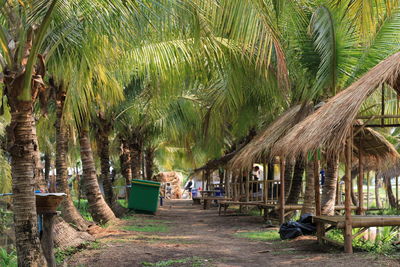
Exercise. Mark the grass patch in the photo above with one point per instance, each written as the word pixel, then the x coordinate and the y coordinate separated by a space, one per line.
pixel 191 261
pixel 62 254
pixel 8 259
pixel 262 235
pixel 159 228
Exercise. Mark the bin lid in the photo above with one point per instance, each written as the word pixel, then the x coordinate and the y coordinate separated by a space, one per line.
pixel 146 182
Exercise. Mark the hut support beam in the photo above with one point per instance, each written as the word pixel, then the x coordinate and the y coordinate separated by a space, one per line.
pixel 282 192
pixel 360 210
pixel 348 220
pixel 265 190
pixel 317 193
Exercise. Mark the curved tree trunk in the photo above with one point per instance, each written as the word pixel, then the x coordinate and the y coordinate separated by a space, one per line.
pixel 149 163
pixel 329 187
pixel 98 208
pixel 309 196
pixel 125 162
pixel 297 180
pixel 288 177
pixel 68 210
pixel 377 197
pixel 22 150
pixel 389 190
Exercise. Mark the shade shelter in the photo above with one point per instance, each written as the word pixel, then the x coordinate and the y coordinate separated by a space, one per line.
pixel 333 127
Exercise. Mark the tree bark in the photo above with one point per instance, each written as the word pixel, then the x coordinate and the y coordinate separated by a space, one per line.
pixel 104 155
pixel 47 166
pixel 149 163
pixel 329 187
pixel 377 197
pixel 297 181
pixel 135 160
pixel 125 162
pixel 288 177
pixel 98 208
pixel 391 197
pixel 68 211
pixel 309 196
pixel 21 146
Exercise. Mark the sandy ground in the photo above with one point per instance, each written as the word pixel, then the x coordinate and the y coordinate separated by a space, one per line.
pixel 195 237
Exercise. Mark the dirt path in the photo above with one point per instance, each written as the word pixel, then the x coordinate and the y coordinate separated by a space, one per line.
pixel 185 235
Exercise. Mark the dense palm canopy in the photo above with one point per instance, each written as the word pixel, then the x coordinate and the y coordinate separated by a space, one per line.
pixel 180 82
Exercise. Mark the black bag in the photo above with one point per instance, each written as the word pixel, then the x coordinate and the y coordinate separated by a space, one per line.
pixel 303 226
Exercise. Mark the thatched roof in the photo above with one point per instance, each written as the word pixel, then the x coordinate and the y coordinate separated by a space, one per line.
pixel 216 163
pixel 394 171
pixel 329 126
pixel 261 145
pixel 378 151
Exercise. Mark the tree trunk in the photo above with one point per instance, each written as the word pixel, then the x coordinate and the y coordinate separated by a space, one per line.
pixel 149 163
pixel 309 195
pixel 47 166
pixel 135 160
pixel 391 197
pixel 329 187
pixel 297 180
pixel 68 210
pixel 288 177
pixel 21 146
pixel 125 162
pixel 98 208
pixel 104 155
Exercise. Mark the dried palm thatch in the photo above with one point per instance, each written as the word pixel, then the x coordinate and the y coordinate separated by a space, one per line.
pixel 260 147
pixel 393 171
pixel 379 153
pixel 330 125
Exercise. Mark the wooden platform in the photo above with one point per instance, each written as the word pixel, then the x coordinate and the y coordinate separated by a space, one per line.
pixel 359 221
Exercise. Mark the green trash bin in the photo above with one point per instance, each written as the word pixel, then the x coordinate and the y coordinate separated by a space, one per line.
pixel 144 196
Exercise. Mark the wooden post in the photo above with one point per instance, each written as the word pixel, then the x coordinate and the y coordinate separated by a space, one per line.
pixel 317 185
pixel 47 238
pixel 202 180
pixel 338 191
pixel 282 192
pixel 360 210
pixel 397 192
pixel 368 181
pixel 265 189
pixel 247 187
pixel 227 183
pixel 348 248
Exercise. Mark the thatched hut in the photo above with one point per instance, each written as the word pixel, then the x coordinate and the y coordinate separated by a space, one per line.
pixel 330 125
pixel 259 148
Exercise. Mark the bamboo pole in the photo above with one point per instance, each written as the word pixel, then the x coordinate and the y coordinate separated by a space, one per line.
pixel 247 187
pixel 227 186
pixel 397 192
pixel 282 191
pixel 348 248
pixel 360 180
pixel 317 185
pixel 265 190
pixel 368 183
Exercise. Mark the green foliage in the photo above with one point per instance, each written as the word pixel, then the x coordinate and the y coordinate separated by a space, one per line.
pixel 63 254
pixel 6 218
pixel 83 208
pixel 191 261
pixel 383 243
pixel 8 259
pixel 270 235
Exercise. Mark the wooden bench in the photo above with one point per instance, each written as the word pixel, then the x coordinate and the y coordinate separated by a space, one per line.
pixel 208 200
pixel 357 221
pixel 226 204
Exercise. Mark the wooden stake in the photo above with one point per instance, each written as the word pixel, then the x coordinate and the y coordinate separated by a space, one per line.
pixel 265 190
pixel 360 180
pixel 282 192
pixel 317 185
pixel 47 238
pixel 368 181
pixel 348 248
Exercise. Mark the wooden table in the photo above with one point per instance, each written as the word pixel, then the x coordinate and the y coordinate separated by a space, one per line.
pixel 207 201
